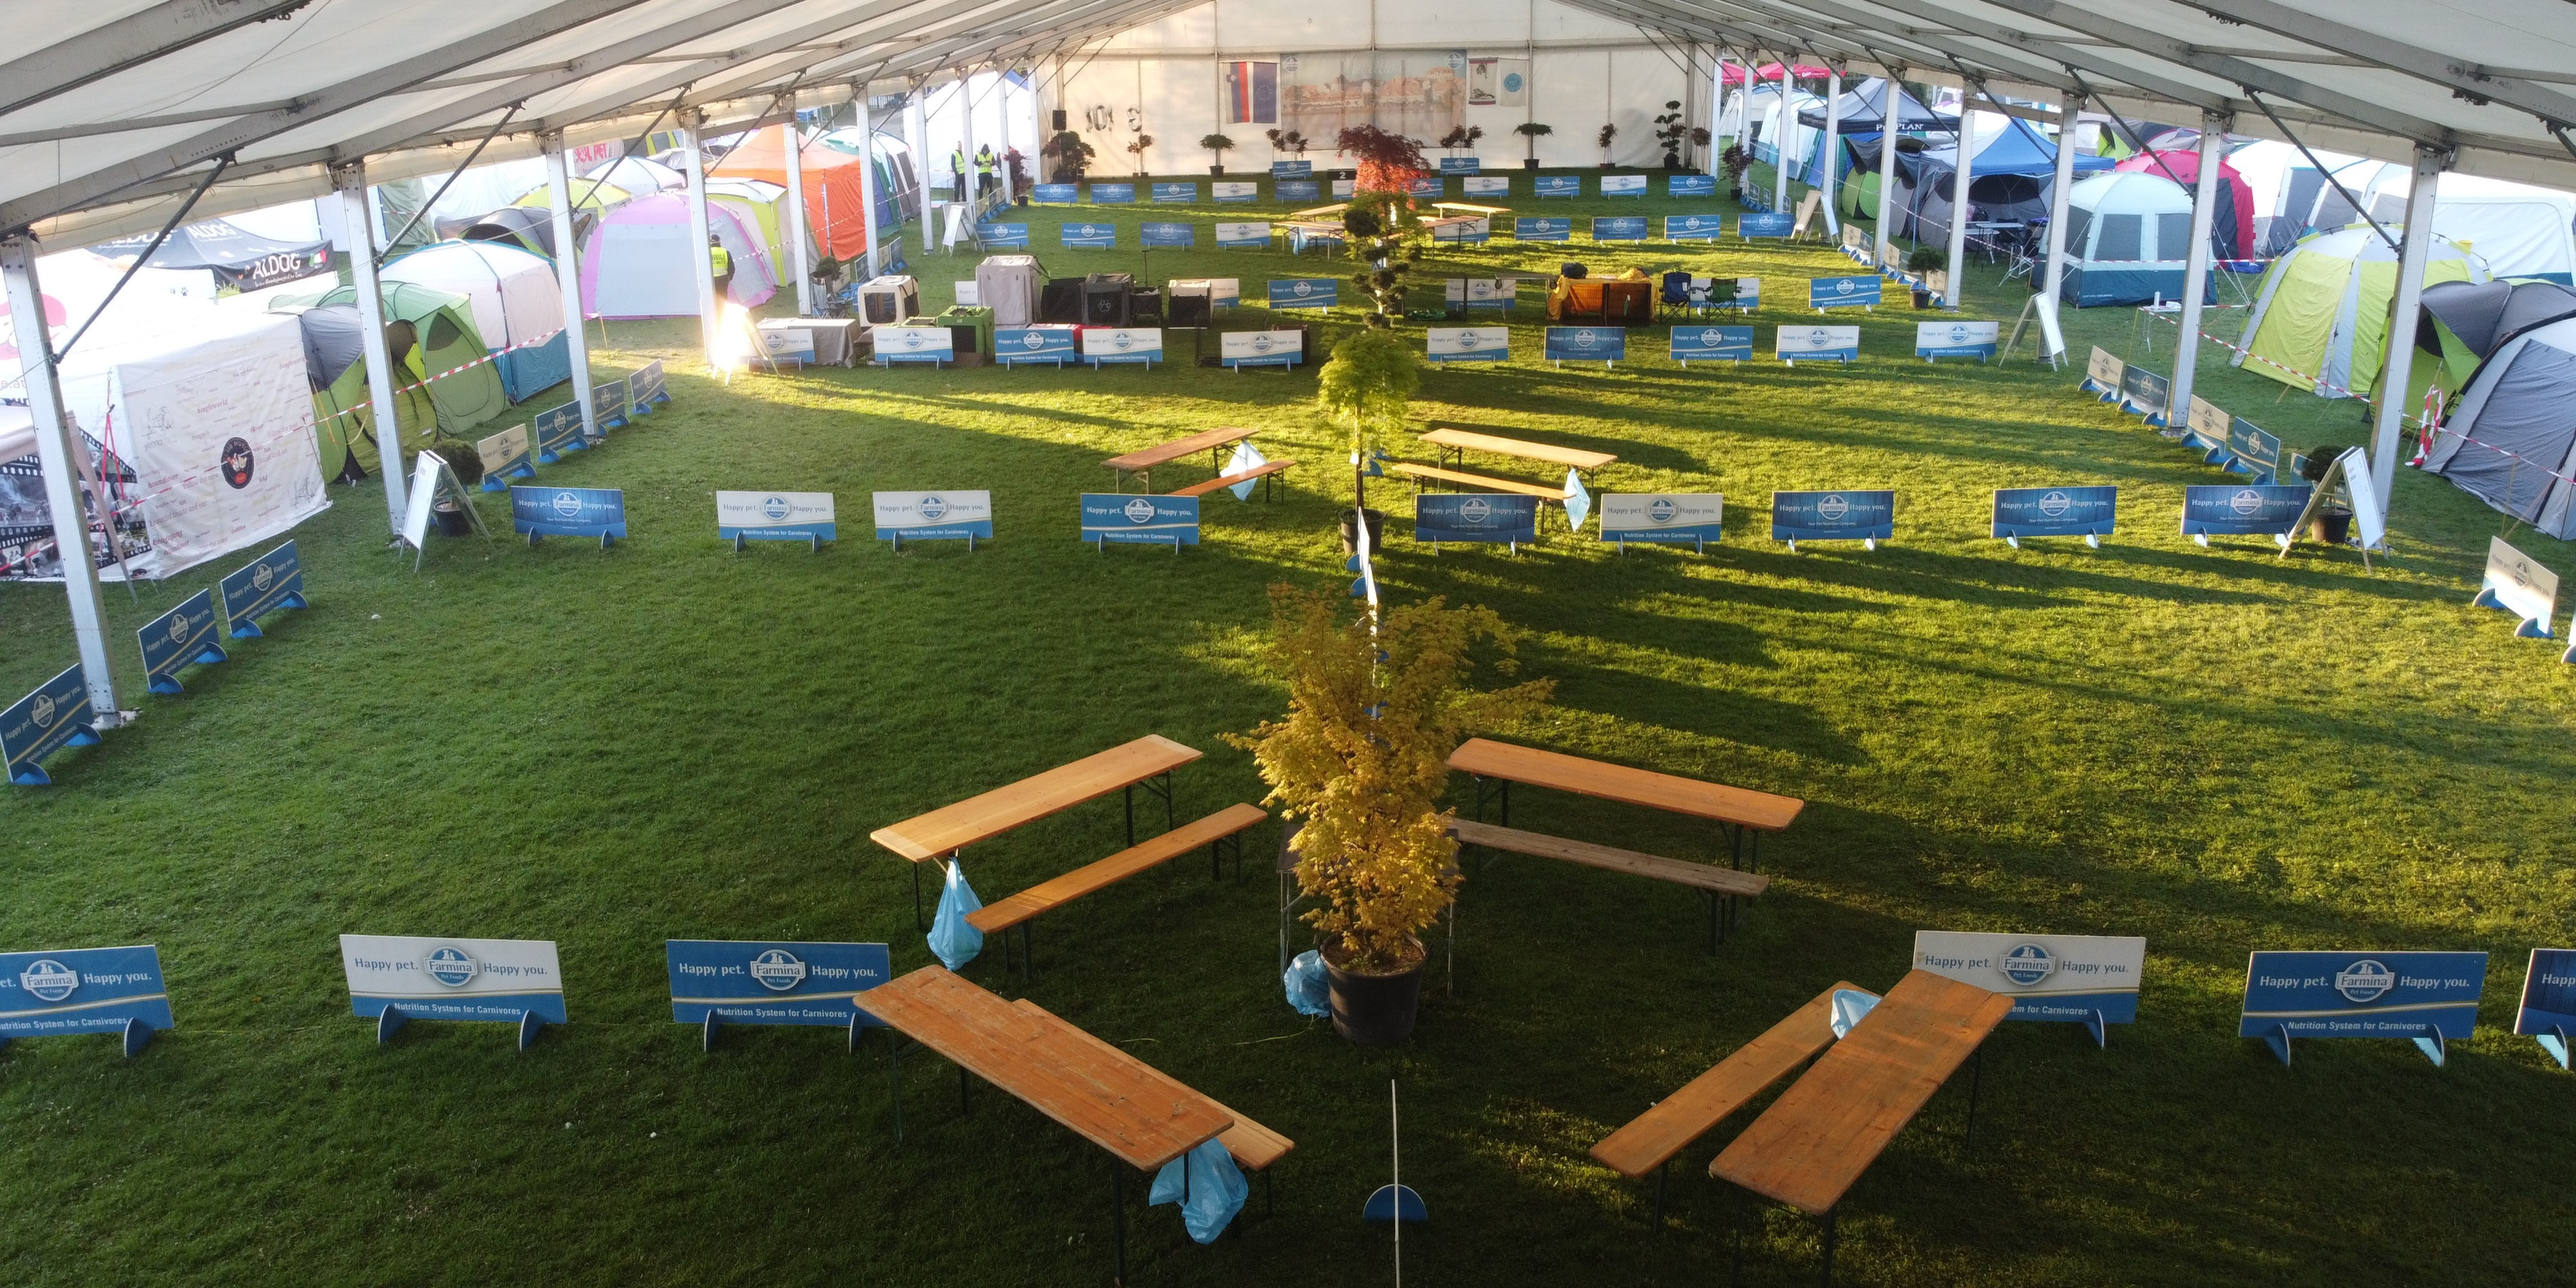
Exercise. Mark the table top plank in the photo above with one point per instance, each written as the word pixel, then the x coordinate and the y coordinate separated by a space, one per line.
pixel 1762 811
pixel 1470 440
pixel 1252 1144
pixel 980 818
pixel 1671 1124
pixel 1093 1089
pixel 1814 1142
pixel 1206 440
pixel 1540 490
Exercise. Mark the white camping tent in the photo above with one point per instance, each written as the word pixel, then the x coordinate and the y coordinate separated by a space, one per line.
pixel 517 301
pixel 2126 235
pixel 1764 103
pixel 639 176
pixel 2519 230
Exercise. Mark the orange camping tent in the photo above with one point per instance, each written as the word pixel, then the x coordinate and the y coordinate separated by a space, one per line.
pixel 835 194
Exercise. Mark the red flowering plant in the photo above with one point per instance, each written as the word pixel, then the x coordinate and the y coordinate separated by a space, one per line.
pixel 1389 162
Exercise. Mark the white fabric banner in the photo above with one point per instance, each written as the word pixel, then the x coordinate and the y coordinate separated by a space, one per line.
pixel 218 432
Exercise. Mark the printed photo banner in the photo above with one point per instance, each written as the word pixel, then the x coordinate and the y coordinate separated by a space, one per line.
pixel 64 991
pixel 1623 185
pixel 1696 518
pixel 1113 194
pixel 505 455
pixel 1157 235
pixel 53 716
pixel 2243 510
pixel 1868 517
pixel 1707 228
pixel 1609 228
pixel 1937 340
pixel 1002 236
pixel 1298 189
pixel 182 637
pixel 556 430
pixel 1690 185
pixel 1488 185
pixel 1556 185
pixel 760 981
pixel 1305 292
pixel 2517 584
pixel 775 516
pixel 1142 346
pixel 395 979
pixel 2548 1010
pixel 2087 512
pixel 1420 93
pixel 1542 229
pixel 1292 169
pixel 1469 343
pixel 1587 344
pixel 568 512
pixel 1043 342
pixel 1169 193
pixel 1054 194
pixel 1475 517
pixel 1763 227
pixel 2431 998
pixel 2090 980
pixel 934 516
pixel 264 585
pixel 906 344
pixel 1243 235
pixel 1119 518
pixel 1261 348
pixel 1856 292
pixel 1712 344
pixel 1087 236
pixel 1235 192
pixel 1796 344
pixel 1461 165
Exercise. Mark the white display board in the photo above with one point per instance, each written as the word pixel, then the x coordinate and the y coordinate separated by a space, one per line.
pixel 2517 584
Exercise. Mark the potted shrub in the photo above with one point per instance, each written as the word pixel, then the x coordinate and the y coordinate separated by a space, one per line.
pixel 1732 163
pixel 1675 136
pixel 1288 141
pixel 1217 145
pixel 1608 132
pixel 1375 707
pixel 1531 130
pixel 1925 262
pixel 1367 388
pixel 1016 162
pixel 1136 148
pixel 1072 156
pixel 1461 138
pixel 467 464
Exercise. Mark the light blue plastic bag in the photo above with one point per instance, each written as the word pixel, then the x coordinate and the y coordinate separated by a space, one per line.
pixel 1851 1006
pixel 950 936
pixel 1216 1185
pixel 1308 991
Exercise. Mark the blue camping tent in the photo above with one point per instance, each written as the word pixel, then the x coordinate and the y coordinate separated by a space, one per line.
pixel 2009 176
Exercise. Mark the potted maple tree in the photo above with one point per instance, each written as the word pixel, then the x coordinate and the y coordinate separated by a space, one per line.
pixel 1376 704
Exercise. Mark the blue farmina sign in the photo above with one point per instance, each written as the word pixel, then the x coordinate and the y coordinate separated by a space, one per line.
pixel 1749 227
pixel 748 981
pixel 1693 227
pixel 1292 170
pixel 1618 228
pixel 1305 292
pixel 1299 189
pixel 1122 518
pixel 2429 997
pixel 1052 194
pixel 53 717
pixel 1168 234
pixel 1113 194
pixel 1712 344
pixel 1542 230
pixel 568 512
pixel 1003 236
pixel 557 430
pixel 1557 185
pixel 1461 165
pixel 1843 292
pixel 1475 516
pixel 1586 343
pixel 84 990
pixel 2086 512
pixel 2146 393
pixel 178 638
pixel 1690 185
pixel 273 581
pixel 1088 236
pixel 1868 517
pixel 2248 510
pixel 2548 1010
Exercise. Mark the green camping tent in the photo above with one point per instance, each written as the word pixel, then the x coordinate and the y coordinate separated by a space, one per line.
pixel 2321 320
pixel 431 331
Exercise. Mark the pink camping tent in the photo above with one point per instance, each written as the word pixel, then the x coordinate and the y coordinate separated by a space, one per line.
pixel 641 262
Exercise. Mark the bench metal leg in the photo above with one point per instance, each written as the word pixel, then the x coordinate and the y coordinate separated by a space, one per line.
pixel 918 922
pixel 1130 794
pixel 1118 1221
pixel 1663 1180
pixel 1833 1221
pixel 894 1079
pixel 1976 1078
pixel 963 1107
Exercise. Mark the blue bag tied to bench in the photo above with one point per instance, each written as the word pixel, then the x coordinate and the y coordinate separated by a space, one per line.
pixel 1851 1006
pixel 1216 1189
pixel 951 938
pixel 1308 991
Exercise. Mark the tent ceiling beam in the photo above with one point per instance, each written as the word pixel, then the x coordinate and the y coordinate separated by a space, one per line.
pixel 128 42
pixel 89 129
pixel 2466 80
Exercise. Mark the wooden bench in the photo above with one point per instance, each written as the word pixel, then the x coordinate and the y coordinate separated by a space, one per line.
pixel 1719 884
pixel 1141 462
pixel 1019 910
pixel 1264 471
pixel 1419 472
pixel 1651 1139
pixel 1253 1146
pixel 1462 441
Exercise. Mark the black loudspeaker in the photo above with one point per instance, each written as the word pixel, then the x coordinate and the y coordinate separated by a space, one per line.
pixel 1060 301
pixel 1059 120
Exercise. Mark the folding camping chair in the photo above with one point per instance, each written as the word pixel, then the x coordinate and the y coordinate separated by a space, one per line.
pixel 1677 290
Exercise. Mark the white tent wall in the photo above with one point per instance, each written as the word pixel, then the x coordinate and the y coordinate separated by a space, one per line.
pixel 1002 121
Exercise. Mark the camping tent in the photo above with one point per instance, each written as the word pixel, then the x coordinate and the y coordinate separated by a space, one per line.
pixel 2321 320
pixel 1861 115
pixel 898 178
pixel 1858 195
pixel 2009 176
pixel 2463 323
pixel 530 228
pixel 2519 230
pixel 517 303
pixel 335 368
pixel 429 331
pixel 834 190
pixel 2126 235
pixel 2512 441
pixel 588 198
pixel 1767 131
pixel 241 260
pixel 2231 230
pixel 639 175
pixel 757 203
pixel 643 263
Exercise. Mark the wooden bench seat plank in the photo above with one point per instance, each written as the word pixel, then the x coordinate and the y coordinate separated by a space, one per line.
pixel 1253 1146
pixel 1165 453
pixel 1700 875
pixel 1762 811
pixel 1469 440
pixel 1229 480
pixel 1814 1142
pixel 1102 1094
pixel 1002 914
pixel 980 818
pixel 1668 1128
pixel 1539 490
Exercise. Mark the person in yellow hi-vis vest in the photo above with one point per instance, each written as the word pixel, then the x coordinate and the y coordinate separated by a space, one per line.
pixel 957 165
pixel 984 169
pixel 721 261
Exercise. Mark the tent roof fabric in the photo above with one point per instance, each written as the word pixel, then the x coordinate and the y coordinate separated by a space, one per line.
pixel 243 258
pixel 1864 108
pixel 2486 314
pixel 287 89
pixel 2185 166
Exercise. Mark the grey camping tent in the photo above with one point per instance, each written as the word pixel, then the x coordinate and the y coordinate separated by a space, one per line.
pixel 2512 442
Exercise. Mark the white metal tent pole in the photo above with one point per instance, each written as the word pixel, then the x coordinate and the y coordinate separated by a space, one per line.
pixel 54 448
pixel 798 261
pixel 1001 158
pixel 1833 157
pixel 568 274
pixel 916 130
pixel 691 122
pixel 1717 110
pixel 2195 270
pixel 1959 181
pixel 974 194
pixel 351 180
pixel 1780 141
pixel 2055 274
pixel 868 230
pixel 1887 136
pixel 2394 378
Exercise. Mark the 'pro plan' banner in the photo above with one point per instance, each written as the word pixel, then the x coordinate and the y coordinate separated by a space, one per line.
pixel 2084 979
pixel 431 978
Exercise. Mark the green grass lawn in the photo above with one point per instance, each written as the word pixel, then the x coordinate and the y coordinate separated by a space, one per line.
pixel 2215 748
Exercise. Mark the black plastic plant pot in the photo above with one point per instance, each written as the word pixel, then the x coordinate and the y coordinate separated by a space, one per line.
pixel 1375 1010
pixel 1376 531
